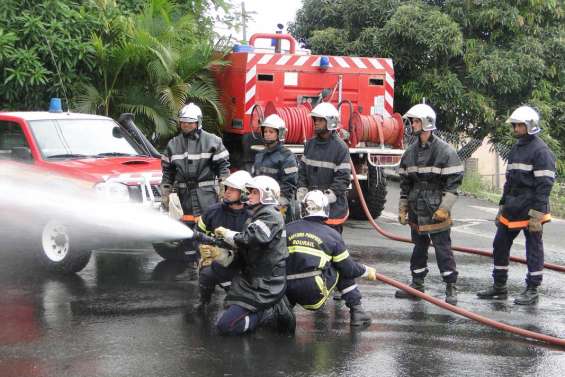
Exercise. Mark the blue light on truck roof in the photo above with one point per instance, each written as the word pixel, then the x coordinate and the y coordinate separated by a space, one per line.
pixel 324 62
pixel 55 105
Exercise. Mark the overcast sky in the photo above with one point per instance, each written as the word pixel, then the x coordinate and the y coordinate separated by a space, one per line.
pixel 268 14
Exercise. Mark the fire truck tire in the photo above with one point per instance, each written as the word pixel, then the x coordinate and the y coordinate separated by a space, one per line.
pixel 170 251
pixel 60 250
pixel 374 190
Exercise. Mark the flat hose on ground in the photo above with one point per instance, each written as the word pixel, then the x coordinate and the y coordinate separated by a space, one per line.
pixel 463 249
pixel 442 304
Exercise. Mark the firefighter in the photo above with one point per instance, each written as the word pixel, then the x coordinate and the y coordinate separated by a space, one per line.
pixel 278 162
pixel 524 205
pixel 256 295
pixel 325 165
pixel 191 163
pixel 232 214
pixel 430 173
pixel 319 262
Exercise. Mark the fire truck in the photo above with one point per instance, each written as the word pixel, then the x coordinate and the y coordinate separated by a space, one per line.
pixel 259 82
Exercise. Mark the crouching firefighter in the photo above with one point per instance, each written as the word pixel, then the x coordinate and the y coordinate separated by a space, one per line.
pixel 319 262
pixel 256 296
pixel 191 163
pixel 524 205
pixel 430 173
pixel 278 162
pixel 231 214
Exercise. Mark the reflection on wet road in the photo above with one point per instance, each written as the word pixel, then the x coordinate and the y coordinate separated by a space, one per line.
pixel 129 314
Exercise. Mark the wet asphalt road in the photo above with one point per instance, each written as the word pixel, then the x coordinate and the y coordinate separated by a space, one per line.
pixel 128 314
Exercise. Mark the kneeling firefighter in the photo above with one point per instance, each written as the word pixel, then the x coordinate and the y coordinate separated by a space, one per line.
pixel 256 295
pixel 430 173
pixel 232 214
pixel 319 261
pixel 278 162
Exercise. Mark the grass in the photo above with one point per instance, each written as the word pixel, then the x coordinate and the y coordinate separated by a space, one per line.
pixel 474 186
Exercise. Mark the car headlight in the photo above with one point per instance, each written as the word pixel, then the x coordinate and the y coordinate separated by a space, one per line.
pixel 113 191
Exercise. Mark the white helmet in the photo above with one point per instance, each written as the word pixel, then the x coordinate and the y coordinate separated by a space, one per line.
pixel 269 189
pixel 315 203
pixel 327 111
pixel 238 180
pixel 191 114
pixel 528 116
pixel 425 113
pixel 276 122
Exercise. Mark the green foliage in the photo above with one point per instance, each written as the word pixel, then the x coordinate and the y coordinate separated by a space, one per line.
pixel 473 61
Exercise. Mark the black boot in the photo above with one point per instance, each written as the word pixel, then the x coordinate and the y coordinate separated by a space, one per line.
pixel 498 291
pixel 451 293
pixel 528 297
pixel 203 301
pixel 285 321
pixel 417 283
pixel 358 316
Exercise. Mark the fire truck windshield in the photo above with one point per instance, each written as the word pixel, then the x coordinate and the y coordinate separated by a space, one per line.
pixel 80 138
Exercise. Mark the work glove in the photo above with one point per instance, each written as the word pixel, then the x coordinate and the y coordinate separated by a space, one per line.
pixel 283 205
pixel 370 273
pixel 441 215
pixel 165 192
pixel 403 211
pixel 175 208
pixel 534 224
pixel 330 195
pixel 301 193
pixel 210 253
pixel 226 234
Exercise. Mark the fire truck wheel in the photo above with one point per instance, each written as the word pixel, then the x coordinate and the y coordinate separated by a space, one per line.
pixel 170 251
pixel 374 191
pixel 60 250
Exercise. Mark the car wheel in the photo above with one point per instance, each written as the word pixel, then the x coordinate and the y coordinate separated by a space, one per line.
pixel 60 249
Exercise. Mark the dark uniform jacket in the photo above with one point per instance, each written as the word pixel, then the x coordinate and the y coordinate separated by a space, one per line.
pixel 530 175
pixel 280 164
pixel 220 214
pixel 426 173
pixel 261 253
pixel 325 165
pixel 191 164
pixel 313 245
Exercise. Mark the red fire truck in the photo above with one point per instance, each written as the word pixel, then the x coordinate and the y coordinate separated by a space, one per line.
pixel 261 82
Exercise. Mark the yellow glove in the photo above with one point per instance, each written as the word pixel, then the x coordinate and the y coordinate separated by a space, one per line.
pixel 370 273
pixel 208 251
pixel 226 234
pixel 166 190
pixel 220 231
pixel 441 215
pixel 222 190
pixel 403 211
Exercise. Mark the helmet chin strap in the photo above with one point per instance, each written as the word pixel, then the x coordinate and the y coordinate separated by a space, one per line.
pixel 269 142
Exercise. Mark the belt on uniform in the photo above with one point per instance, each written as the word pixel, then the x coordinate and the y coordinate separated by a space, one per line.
pixel 193 185
pixel 304 275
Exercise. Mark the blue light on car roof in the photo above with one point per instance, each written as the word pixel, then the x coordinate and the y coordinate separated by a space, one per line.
pixel 55 105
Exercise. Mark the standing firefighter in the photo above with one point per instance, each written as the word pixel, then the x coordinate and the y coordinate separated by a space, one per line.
pixel 325 165
pixel 278 162
pixel 430 173
pixel 232 214
pixel 191 163
pixel 524 206
pixel 256 295
pixel 319 261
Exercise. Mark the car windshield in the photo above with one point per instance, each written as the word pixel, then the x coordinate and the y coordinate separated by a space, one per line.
pixel 80 138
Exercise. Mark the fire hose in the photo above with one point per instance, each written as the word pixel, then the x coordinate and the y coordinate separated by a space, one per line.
pixel 455 309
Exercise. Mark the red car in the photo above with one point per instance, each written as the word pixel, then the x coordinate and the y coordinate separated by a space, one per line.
pixel 110 158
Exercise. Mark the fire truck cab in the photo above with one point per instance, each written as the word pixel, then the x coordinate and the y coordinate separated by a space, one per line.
pixel 261 82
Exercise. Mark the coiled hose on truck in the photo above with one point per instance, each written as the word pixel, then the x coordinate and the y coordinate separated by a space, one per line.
pixel 442 304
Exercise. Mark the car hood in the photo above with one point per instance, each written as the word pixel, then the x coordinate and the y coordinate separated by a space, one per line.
pixel 129 170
